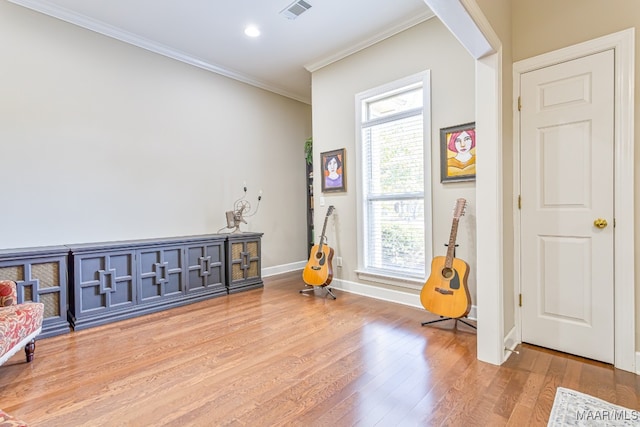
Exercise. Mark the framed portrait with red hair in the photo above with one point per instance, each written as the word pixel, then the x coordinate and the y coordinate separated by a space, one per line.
pixel 458 153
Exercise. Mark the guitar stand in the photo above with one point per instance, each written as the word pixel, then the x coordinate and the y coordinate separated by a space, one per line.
pixel 310 288
pixel 442 319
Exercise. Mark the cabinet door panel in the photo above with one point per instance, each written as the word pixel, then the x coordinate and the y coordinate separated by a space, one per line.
pixel 215 252
pixel 243 262
pixel 160 273
pixel 206 268
pixel 253 260
pixel 41 277
pixel 104 282
pixel 123 293
pixel 172 258
pixel 150 272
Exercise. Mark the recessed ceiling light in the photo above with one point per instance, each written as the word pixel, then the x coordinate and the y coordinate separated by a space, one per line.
pixel 252 31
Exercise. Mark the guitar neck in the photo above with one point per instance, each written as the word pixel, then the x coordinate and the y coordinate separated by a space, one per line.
pixel 452 244
pixel 324 229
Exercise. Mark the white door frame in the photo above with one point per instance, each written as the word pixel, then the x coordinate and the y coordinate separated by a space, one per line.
pixel 624 270
pixel 468 24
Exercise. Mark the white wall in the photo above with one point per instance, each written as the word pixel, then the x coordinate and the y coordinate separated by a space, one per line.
pixel 425 46
pixel 103 141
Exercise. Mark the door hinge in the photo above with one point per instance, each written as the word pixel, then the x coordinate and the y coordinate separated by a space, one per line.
pixel 520 300
pixel 519 201
pixel 519 104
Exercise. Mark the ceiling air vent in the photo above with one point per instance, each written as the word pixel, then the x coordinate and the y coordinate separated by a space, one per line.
pixel 295 9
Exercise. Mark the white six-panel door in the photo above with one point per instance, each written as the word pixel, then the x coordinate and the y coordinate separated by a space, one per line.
pixel 567 161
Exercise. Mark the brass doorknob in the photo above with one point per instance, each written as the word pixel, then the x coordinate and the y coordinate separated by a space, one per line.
pixel 600 223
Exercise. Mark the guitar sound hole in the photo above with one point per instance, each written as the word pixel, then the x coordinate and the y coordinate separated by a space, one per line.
pixel 447 273
pixel 319 255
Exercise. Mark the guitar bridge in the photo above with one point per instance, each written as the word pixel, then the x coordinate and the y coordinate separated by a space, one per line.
pixel 444 291
pixel 316 268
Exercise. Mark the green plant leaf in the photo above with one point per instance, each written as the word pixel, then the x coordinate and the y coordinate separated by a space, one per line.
pixel 308 150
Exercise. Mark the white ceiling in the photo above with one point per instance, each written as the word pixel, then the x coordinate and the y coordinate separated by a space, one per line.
pixel 210 33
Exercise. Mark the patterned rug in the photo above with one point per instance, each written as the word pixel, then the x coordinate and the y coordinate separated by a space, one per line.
pixel 572 408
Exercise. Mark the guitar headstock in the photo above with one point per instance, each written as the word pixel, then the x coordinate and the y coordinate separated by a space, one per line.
pixel 461 204
pixel 330 210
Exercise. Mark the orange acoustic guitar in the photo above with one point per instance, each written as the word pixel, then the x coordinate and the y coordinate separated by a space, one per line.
pixel 445 293
pixel 318 271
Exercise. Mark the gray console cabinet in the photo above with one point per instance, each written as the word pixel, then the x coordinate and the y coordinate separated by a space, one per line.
pixel 119 280
pixel 92 284
pixel 41 276
pixel 244 268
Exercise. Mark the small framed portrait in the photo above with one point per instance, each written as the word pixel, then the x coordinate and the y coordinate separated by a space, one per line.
pixel 334 176
pixel 458 153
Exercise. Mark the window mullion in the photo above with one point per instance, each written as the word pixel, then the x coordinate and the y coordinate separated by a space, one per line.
pixel 392 118
pixel 396 196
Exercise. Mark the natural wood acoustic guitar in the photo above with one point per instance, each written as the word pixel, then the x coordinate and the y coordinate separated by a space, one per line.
pixel 319 271
pixel 446 293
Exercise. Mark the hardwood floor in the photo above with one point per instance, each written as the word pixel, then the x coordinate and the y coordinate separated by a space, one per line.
pixel 272 357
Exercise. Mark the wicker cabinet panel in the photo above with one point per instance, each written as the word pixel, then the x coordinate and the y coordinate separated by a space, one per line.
pixel 41 276
pixel 243 261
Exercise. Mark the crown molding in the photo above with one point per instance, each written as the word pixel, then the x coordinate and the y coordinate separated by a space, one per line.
pixel 415 20
pixel 161 49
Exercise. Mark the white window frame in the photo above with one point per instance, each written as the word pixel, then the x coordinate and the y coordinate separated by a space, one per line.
pixel 375 275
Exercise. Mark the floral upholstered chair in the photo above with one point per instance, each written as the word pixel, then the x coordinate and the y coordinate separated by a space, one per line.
pixel 19 323
pixel 7 420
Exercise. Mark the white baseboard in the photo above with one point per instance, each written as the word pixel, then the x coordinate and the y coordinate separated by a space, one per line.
pixel 284 268
pixel 510 343
pixel 384 294
pixel 376 292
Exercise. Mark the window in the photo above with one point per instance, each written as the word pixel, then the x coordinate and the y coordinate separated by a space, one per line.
pixel 395 186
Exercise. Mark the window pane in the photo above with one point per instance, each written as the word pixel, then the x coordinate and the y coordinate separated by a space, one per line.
pixel 394 104
pixel 396 236
pixel 396 156
pixel 393 182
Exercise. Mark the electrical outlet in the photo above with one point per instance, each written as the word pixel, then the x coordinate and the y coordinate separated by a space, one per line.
pixel 339 261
